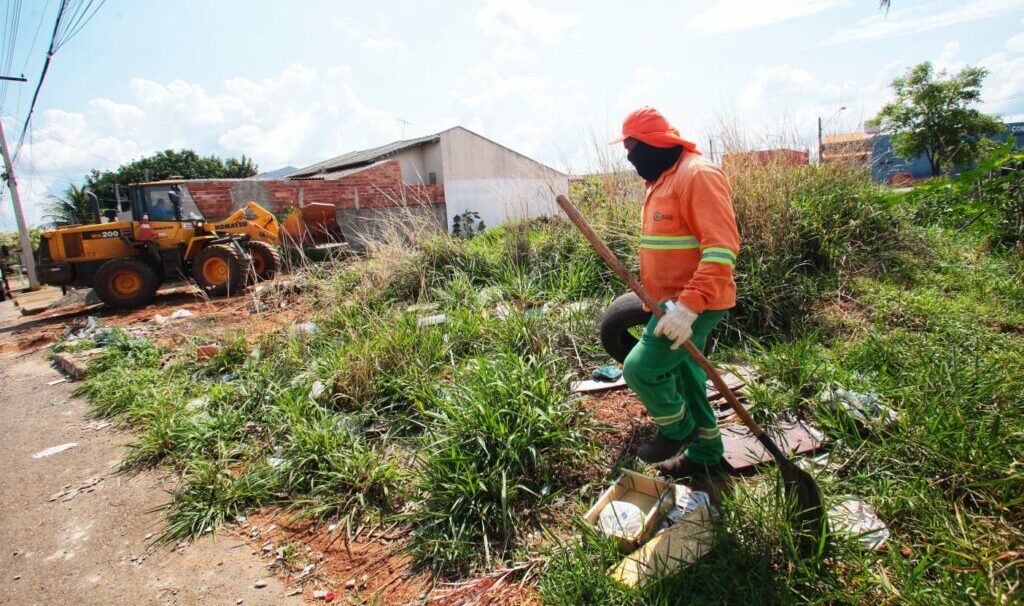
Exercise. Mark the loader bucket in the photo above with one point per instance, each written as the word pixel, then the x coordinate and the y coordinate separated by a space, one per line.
pixel 314 225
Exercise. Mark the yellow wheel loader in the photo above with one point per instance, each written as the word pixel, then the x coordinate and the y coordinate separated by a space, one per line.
pixel 158 238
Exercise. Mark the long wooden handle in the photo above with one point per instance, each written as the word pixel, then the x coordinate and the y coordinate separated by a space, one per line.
pixel 634 285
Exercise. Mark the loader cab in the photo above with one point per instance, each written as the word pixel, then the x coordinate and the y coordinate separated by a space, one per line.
pixel 161 202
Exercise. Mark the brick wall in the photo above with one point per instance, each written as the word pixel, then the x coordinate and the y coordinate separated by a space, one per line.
pixel 378 185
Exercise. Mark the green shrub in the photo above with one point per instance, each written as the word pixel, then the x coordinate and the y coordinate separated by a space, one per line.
pixel 503 440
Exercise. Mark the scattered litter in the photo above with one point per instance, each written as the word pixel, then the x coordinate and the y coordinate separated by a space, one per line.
pixel 57 381
pixel 46 452
pixel 227 377
pixel 69 492
pixel 204 352
pixel 816 463
pixel 590 385
pixel 431 320
pixel 306 571
pixel 159 319
pixel 865 408
pixel 91 330
pixel 349 584
pixel 268 546
pixel 856 519
pixel 317 389
pixel 621 519
pixel 735 377
pixel 578 307
pixel 196 404
pixel 743 450
pixel 329 597
pixel 296 591
pixel 652 496
pixel 260 584
pixel 332 528
pixel 421 308
pixel 319 594
pixel 490 294
pixel 687 502
pixel 608 373
pixel 96 425
pixel 181 313
pixel 275 461
pixel 304 328
pixel 239 601
pixel 148 536
pixel 502 311
pixel 684 540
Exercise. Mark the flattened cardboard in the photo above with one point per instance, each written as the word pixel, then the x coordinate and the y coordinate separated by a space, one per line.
pixel 743 451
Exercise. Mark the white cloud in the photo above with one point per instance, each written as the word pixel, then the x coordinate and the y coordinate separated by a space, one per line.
pixel 650 86
pixel 732 15
pixel 521 28
pixel 948 58
pixel 922 18
pixel 383 44
pixel 1015 44
pixel 528 113
pixel 299 116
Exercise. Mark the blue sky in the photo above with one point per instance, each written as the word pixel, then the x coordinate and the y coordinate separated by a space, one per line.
pixel 296 82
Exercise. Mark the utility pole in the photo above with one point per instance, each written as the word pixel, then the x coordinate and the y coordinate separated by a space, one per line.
pixel 821 147
pixel 27 260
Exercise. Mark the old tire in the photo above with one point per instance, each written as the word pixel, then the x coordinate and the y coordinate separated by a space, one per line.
pixel 126 282
pixel 220 269
pixel 266 260
pixel 623 319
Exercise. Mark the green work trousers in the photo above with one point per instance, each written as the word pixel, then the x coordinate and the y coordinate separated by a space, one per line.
pixel 672 387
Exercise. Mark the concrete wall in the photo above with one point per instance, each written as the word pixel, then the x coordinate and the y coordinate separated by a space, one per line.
pixel 419 162
pixel 500 184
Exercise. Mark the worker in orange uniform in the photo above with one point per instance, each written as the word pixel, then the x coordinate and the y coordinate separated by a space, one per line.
pixel 688 248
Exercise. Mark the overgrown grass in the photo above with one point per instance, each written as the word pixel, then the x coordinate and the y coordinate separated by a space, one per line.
pixel 463 431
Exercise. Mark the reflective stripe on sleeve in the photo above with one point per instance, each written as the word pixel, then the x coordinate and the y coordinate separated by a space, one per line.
pixel 714 254
pixel 668 242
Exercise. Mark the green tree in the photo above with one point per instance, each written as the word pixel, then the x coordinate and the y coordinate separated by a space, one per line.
pixel 73 208
pixel 169 163
pixel 932 116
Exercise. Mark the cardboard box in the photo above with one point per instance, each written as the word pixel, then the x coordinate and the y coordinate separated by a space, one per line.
pixel 672 548
pixel 653 496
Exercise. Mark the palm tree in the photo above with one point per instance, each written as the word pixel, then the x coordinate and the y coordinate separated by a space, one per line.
pixel 73 208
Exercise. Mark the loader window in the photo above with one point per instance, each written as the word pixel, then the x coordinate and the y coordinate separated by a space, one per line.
pixel 159 206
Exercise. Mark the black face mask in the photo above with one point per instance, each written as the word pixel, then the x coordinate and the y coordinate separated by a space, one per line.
pixel 650 161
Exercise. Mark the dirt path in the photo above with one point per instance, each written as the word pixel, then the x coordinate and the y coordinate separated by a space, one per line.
pixel 86 550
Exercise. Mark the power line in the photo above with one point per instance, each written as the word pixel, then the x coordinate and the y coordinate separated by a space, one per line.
pixel 71 18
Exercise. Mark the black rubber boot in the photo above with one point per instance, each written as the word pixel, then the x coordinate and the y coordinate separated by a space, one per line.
pixel 680 468
pixel 661 448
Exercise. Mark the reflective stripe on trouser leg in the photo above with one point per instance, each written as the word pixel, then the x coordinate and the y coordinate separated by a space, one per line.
pixel 660 377
pixel 707 447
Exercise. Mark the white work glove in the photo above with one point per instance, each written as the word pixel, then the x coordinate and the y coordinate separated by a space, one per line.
pixel 677 323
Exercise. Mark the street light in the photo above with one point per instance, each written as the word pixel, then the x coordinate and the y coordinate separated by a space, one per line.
pixel 821 126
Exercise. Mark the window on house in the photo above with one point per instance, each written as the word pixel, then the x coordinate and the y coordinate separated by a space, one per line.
pixel 432 178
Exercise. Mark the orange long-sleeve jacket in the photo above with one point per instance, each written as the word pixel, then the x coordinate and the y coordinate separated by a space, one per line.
pixel 689 241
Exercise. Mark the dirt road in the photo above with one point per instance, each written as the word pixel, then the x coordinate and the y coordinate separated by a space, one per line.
pixel 89 544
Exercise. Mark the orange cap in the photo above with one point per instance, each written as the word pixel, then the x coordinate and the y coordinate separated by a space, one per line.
pixel 650 126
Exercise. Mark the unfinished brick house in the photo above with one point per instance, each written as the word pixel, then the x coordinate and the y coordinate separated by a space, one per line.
pixel 437 177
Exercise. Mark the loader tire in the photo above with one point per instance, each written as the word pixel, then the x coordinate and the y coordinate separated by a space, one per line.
pixel 126 282
pixel 623 321
pixel 266 260
pixel 220 269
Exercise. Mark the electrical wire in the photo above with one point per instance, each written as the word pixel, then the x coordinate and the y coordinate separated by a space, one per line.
pixel 72 17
